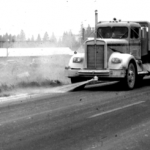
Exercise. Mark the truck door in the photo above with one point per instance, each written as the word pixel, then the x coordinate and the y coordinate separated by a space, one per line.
pixel 135 42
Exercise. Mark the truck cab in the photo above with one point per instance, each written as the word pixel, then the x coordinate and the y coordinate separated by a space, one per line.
pixel 119 51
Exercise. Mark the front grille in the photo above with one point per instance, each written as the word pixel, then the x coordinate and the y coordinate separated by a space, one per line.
pixel 95 56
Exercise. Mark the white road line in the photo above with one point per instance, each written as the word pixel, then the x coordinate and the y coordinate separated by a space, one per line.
pixel 112 110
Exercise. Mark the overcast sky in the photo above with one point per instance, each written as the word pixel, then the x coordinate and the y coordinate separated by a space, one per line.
pixel 37 16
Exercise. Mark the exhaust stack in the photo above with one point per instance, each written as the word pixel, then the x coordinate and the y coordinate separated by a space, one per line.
pixel 96 20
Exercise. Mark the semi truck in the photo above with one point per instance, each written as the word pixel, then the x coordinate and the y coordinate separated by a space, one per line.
pixel 119 51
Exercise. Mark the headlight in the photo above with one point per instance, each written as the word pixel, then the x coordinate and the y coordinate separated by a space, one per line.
pixel 116 60
pixel 77 59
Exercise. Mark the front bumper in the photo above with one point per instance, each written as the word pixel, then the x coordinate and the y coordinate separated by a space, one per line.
pixel 121 73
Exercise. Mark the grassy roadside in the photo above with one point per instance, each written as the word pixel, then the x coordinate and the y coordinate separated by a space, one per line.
pixel 32 72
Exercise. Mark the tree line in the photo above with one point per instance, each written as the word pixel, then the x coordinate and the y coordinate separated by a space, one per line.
pixel 68 39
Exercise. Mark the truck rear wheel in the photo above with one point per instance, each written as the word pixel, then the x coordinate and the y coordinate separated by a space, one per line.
pixel 131 76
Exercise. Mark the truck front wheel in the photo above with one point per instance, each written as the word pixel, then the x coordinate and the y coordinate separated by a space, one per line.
pixel 131 76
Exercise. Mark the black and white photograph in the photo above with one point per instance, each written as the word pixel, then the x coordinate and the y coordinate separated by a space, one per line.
pixel 74 75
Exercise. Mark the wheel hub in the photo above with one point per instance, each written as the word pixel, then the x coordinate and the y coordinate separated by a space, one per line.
pixel 131 76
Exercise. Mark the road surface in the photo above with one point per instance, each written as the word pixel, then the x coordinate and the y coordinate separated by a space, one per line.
pixel 96 118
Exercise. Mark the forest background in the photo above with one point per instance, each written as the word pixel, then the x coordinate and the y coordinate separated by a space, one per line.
pixel 68 39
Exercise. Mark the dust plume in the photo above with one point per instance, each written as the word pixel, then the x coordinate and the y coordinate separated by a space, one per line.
pixel 35 71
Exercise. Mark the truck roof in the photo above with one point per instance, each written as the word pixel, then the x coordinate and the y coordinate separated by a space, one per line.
pixel 118 23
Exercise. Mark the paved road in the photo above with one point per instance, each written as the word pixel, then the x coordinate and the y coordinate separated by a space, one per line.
pixel 100 118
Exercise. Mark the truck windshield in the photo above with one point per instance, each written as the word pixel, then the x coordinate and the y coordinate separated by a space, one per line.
pixel 112 32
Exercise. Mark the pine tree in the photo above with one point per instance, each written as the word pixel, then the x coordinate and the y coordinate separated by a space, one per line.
pixel 89 32
pixel 32 38
pixel 13 38
pixel 46 37
pixel 29 40
pixel 53 38
pixel 1 38
pixel 5 37
pixel 18 38
pixel 22 36
pixel 69 40
pixel 38 38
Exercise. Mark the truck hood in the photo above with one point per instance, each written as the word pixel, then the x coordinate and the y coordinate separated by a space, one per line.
pixel 113 45
pixel 110 41
pixel 114 41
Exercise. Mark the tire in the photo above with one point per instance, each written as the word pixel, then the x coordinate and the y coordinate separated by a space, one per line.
pixel 131 76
